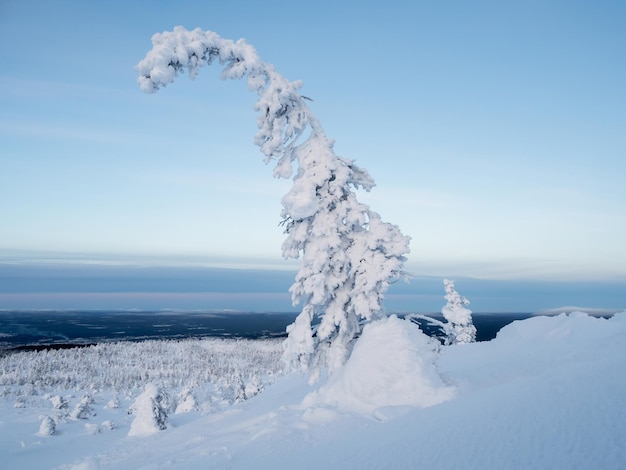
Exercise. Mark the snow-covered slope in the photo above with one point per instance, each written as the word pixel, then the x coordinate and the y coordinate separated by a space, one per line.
pixel 548 392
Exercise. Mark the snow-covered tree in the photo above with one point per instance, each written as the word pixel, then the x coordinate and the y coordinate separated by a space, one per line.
pixel 186 402
pixel 58 402
pixel 349 255
pixel 149 410
pixel 83 409
pixel 460 328
pixel 47 427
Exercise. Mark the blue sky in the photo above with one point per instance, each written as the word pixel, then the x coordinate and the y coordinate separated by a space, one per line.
pixel 495 132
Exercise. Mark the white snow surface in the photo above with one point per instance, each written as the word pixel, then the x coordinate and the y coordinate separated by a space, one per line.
pixel 546 393
pixel 392 364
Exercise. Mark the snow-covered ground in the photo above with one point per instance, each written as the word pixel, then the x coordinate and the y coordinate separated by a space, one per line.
pixel 547 393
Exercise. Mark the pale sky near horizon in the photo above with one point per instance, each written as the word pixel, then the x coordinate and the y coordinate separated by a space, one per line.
pixel 496 131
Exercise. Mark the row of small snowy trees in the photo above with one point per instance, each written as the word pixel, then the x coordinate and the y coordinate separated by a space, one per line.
pixel 160 377
pixel 349 256
pixel 223 368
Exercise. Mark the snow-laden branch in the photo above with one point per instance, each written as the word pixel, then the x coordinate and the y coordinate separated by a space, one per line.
pixel 349 255
pixel 283 114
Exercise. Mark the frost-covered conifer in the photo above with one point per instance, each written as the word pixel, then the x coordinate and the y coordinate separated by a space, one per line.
pixel 253 387
pixel 149 410
pixel 186 402
pixel 460 328
pixel 107 425
pixel 47 427
pixel 20 402
pixel 113 403
pixel 83 409
pixel 349 255
pixel 58 402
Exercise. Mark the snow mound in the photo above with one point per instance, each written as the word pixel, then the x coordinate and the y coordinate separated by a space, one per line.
pixel 566 328
pixel 392 364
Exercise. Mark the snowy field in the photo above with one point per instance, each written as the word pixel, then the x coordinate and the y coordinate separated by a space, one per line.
pixel 547 393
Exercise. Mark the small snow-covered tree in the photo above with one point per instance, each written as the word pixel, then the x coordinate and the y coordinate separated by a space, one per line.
pixel 253 387
pixel 186 402
pixel 149 410
pixel 47 427
pixel 58 402
pixel 349 255
pixel 83 409
pixel 113 403
pixel 460 328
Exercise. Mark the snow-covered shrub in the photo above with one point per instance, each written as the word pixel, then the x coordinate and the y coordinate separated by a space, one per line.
pixel 47 427
pixel 238 389
pixel 460 328
pixel 253 387
pixel 107 425
pixel 186 402
pixel 58 402
pixel 92 429
pixel 393 364
pixel 349 255
pixel 150 412
pixel 20 402
pixel 113 403
pixel 83 409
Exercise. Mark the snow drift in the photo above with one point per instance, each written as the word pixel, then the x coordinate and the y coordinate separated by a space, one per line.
pixel 392 364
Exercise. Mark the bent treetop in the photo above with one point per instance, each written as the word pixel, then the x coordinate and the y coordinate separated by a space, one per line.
pixel 349 255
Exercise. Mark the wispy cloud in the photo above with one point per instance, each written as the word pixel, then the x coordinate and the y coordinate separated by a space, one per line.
pixel 192 260
pixel 49 130
pixel 519 268
pixel 37 89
